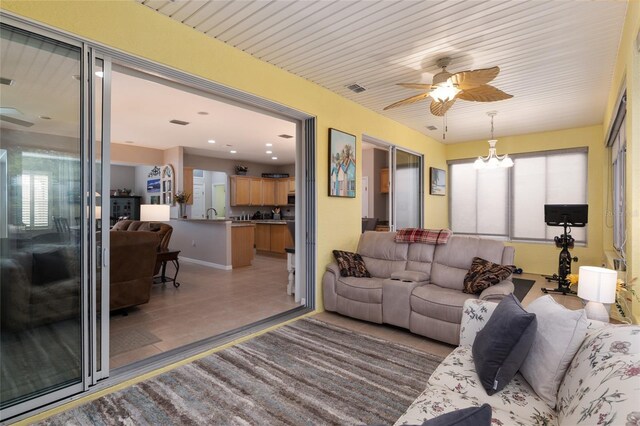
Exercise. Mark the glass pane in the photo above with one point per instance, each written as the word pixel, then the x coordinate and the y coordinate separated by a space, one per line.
pixel 408 190
pixel 97 188
pixel 567 184
pixel 529 177
pixel 463 198
pixel 40 206
pixel 492 201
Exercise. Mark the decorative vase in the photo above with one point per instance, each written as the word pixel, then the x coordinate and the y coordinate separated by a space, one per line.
pixel 182 210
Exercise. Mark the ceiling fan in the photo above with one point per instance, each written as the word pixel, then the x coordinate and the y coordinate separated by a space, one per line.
pixel 446 88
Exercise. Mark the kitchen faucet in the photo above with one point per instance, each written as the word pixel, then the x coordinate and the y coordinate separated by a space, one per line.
pixel 214 211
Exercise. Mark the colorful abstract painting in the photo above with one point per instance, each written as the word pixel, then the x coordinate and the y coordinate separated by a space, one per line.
pixel 342 164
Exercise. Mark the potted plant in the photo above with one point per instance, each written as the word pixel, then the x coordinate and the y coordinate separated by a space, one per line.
pixel 241 170
pixel 182 198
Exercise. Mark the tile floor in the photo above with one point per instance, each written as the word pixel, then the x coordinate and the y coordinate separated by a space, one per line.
pixel 208 302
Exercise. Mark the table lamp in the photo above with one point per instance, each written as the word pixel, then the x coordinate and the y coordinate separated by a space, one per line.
pixel 597 286
pixel 155 212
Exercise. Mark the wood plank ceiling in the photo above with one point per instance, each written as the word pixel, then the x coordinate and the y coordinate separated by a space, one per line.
pixel 556 57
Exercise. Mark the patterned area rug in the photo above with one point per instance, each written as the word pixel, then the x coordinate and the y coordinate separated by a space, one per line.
pixel 308 372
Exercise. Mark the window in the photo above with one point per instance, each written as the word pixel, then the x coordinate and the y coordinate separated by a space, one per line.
pixel 510 202
pixel 619 165
pixel 35 200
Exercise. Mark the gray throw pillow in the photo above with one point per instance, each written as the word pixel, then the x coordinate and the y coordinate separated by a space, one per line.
pixel 502 345
pixel 472 416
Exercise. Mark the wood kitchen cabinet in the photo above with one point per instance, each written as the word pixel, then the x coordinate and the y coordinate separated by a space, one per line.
pixel 282 192
pixel 292 185
pixel 240 191
pixel 263 237
pixel 269 192
pixel 256 192
pixel 384 181
pixel 187 182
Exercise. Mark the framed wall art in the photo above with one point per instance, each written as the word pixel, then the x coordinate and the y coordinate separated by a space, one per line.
pixel 438 182
pixel 342 164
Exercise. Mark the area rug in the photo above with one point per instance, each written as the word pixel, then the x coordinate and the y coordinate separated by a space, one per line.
pixel 308 372
pixel 522 287
pixel 127 340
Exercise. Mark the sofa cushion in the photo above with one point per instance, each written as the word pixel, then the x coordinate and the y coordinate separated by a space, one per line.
pixel 455 385
pixel 424 236
pixel 559 335
pixel 368 290
pixel 472 416
pixel 351 264
pixel 420 258
pixel 602 382
pixel 502 345
pixel 437 302
pixel 483 274
pixel 382 254
pixel 49 267
pixel 452 261
pixel 414 276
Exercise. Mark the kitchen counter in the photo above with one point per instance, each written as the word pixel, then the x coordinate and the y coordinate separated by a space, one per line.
pixel 264 221
pixel 203 220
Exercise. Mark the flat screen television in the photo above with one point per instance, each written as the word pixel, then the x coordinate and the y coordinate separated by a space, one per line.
pixel 570 214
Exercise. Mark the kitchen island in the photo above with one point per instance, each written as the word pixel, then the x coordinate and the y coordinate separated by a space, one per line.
pixel 218 243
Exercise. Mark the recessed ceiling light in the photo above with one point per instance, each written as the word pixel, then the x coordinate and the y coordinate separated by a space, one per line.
pixel 100 74
pixel 203 113
pixel 269 152
pixel 268 144
pixel 274 158
pixel 44 117
pixel 211 141
pixel 232 151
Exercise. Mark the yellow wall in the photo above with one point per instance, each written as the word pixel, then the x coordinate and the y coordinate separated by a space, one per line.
pixel 142 32
pixel 542 258
pixel 627 74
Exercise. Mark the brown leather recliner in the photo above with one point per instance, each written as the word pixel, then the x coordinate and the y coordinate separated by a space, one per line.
pixel 132 261
pixel 162 229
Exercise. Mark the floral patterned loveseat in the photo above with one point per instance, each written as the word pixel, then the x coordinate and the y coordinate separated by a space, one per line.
pixel 600 387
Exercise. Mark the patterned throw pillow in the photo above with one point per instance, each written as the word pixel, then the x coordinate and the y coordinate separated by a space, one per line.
pixel 425 236
pixel 484 274
pixel 351 264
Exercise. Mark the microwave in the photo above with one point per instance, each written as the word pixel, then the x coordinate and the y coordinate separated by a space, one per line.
pixel 291 199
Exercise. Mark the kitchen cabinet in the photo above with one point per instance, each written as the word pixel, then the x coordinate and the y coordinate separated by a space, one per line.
pixel 263 237
pixel 282 192
pixel 256 191
pixel 187 185
pixel 292 185
pixel 240 191
pixel 384 181
pixel 242 240
pixel 269 192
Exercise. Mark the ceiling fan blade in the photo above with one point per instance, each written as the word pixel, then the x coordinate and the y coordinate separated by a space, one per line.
pixel 484 93
pixel 440 108
pixel 408 101
pixel 470 79
pixel 420 86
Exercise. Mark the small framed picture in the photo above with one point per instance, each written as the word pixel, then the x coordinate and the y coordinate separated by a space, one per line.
pixel 342 164
pixel 438 182
pixel 153 185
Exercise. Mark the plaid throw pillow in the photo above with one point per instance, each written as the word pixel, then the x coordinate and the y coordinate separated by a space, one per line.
pixel 484 274
pixel 425 236
pixel 351 264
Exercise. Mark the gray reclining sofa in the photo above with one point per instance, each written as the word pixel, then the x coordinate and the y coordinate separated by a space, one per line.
pixel 414 285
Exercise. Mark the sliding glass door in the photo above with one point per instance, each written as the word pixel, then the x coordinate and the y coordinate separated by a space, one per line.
pixel 407 196
pixel 50 182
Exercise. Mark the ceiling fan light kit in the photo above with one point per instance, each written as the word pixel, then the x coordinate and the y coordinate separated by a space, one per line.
pixel 493 160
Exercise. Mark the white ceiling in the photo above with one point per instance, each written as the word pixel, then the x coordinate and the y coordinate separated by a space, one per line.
pixel 141 109
pixel 556 57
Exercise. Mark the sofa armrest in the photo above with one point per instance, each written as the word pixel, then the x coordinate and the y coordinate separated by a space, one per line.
pixel 475 314
pixel 329 280
pixel 495 293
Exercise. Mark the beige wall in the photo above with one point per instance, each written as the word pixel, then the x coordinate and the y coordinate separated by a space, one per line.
pixel 542 258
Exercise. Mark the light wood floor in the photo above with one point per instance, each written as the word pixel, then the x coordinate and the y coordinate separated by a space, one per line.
pixel 405 337
pixel 208 302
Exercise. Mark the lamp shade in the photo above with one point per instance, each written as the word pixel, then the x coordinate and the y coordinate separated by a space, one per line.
pixel 597 284
pixel 154 212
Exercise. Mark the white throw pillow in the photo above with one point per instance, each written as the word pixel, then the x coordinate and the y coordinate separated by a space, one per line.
pixel 558 337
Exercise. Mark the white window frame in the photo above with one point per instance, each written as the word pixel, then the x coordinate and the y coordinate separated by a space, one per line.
pixel 616 141
pixel 510 199
pixel 31 204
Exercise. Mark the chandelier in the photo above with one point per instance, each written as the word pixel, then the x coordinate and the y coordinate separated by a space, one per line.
pixel 493 160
